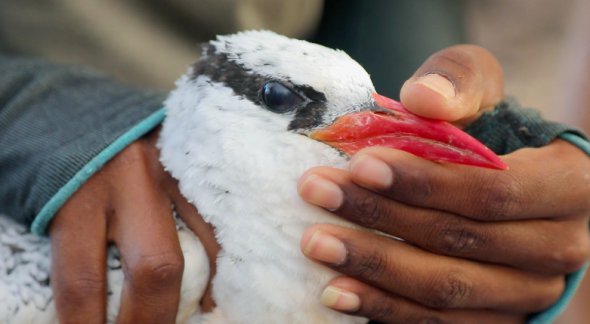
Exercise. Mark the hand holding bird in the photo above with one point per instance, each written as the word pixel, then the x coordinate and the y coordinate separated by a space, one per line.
pixel 450 214
pixel 151 253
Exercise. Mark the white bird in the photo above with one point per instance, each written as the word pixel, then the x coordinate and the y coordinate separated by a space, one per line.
pixel 244 123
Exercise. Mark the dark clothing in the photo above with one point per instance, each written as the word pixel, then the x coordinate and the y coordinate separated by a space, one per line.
pixel 53 120
pixel 510 127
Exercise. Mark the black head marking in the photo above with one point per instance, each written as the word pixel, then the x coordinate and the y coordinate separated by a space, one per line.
pixel 245 82
pixel 219 68
pixel 311 115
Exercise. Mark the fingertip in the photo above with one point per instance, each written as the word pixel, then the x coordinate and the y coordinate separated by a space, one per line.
pixel 439 84
pixel 340 299
pixel 314 172
pixel 348 283
pixel 321 191
pixel 306 237
pixel 371 172
pixel 431 96
pixel 301 182
pixel 455 84
pixel 323 246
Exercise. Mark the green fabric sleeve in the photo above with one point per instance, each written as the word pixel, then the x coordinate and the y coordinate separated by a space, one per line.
pixel 55 119
pixel 50 208
pixel 510 127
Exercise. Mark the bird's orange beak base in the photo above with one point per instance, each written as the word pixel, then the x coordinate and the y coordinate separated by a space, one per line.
pixel 391 125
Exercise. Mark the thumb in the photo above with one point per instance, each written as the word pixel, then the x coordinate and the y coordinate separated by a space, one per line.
pixel 455 84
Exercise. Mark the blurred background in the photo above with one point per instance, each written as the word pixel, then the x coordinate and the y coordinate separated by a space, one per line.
pixel 543 45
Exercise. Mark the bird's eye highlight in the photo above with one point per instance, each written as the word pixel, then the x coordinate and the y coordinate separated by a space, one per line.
pixel 278 98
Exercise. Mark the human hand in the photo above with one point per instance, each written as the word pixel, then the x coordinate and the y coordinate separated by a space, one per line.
pixel 479 244
pixel 128 203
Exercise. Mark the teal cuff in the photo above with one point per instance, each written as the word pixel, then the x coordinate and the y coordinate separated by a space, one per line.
pixel 572 281
pixel 576 140
pixel 39 225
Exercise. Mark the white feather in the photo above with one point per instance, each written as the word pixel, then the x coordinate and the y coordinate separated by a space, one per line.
pixel 25 263
pixel 239 165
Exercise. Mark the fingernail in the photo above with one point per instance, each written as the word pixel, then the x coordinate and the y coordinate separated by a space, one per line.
pixel 371 171
pixel 340 299
pixel 439 84
pixel 324 247
pixel 321 192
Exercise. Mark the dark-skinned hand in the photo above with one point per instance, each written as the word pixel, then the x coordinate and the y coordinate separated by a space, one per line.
pixel 127 203
pixel 477 245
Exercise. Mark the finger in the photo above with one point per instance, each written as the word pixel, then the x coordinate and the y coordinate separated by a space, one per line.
pixel 536 178
pixel 449 234
pixel 145 233
pixel 429 279
pixel 78 245
pixel 193 220
pixel 204 232
pixel 356 298
pixel 454 83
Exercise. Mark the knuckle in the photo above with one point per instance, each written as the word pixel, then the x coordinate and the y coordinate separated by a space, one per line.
pixel 135 150
pixel 573 255
pixel 584 203
pixel 413 184
pixel 459 239
pixel 449 291
pixel 384 311
pixel 552 290
pixel 456 62
pixel 423 189
pixel 579 178
pixel 134 159
pixel 81 286
pixel 133 153
pixel 501 198
pixel 370 210
pixel 372 266
pixel 156 271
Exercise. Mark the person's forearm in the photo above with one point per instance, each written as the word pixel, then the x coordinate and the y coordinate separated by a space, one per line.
pixel 53 121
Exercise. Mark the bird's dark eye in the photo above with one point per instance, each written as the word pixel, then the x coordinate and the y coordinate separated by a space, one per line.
pixel 278 98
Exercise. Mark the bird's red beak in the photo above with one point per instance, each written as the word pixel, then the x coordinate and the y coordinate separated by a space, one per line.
pixel 389 124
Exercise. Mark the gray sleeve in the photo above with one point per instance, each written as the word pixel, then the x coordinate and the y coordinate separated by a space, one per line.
pixel 510 127
pixel 53 120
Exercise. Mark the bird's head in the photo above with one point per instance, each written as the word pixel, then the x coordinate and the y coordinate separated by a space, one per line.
pixel 278 84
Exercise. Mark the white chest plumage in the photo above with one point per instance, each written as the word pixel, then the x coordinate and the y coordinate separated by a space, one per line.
pixel 243 181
